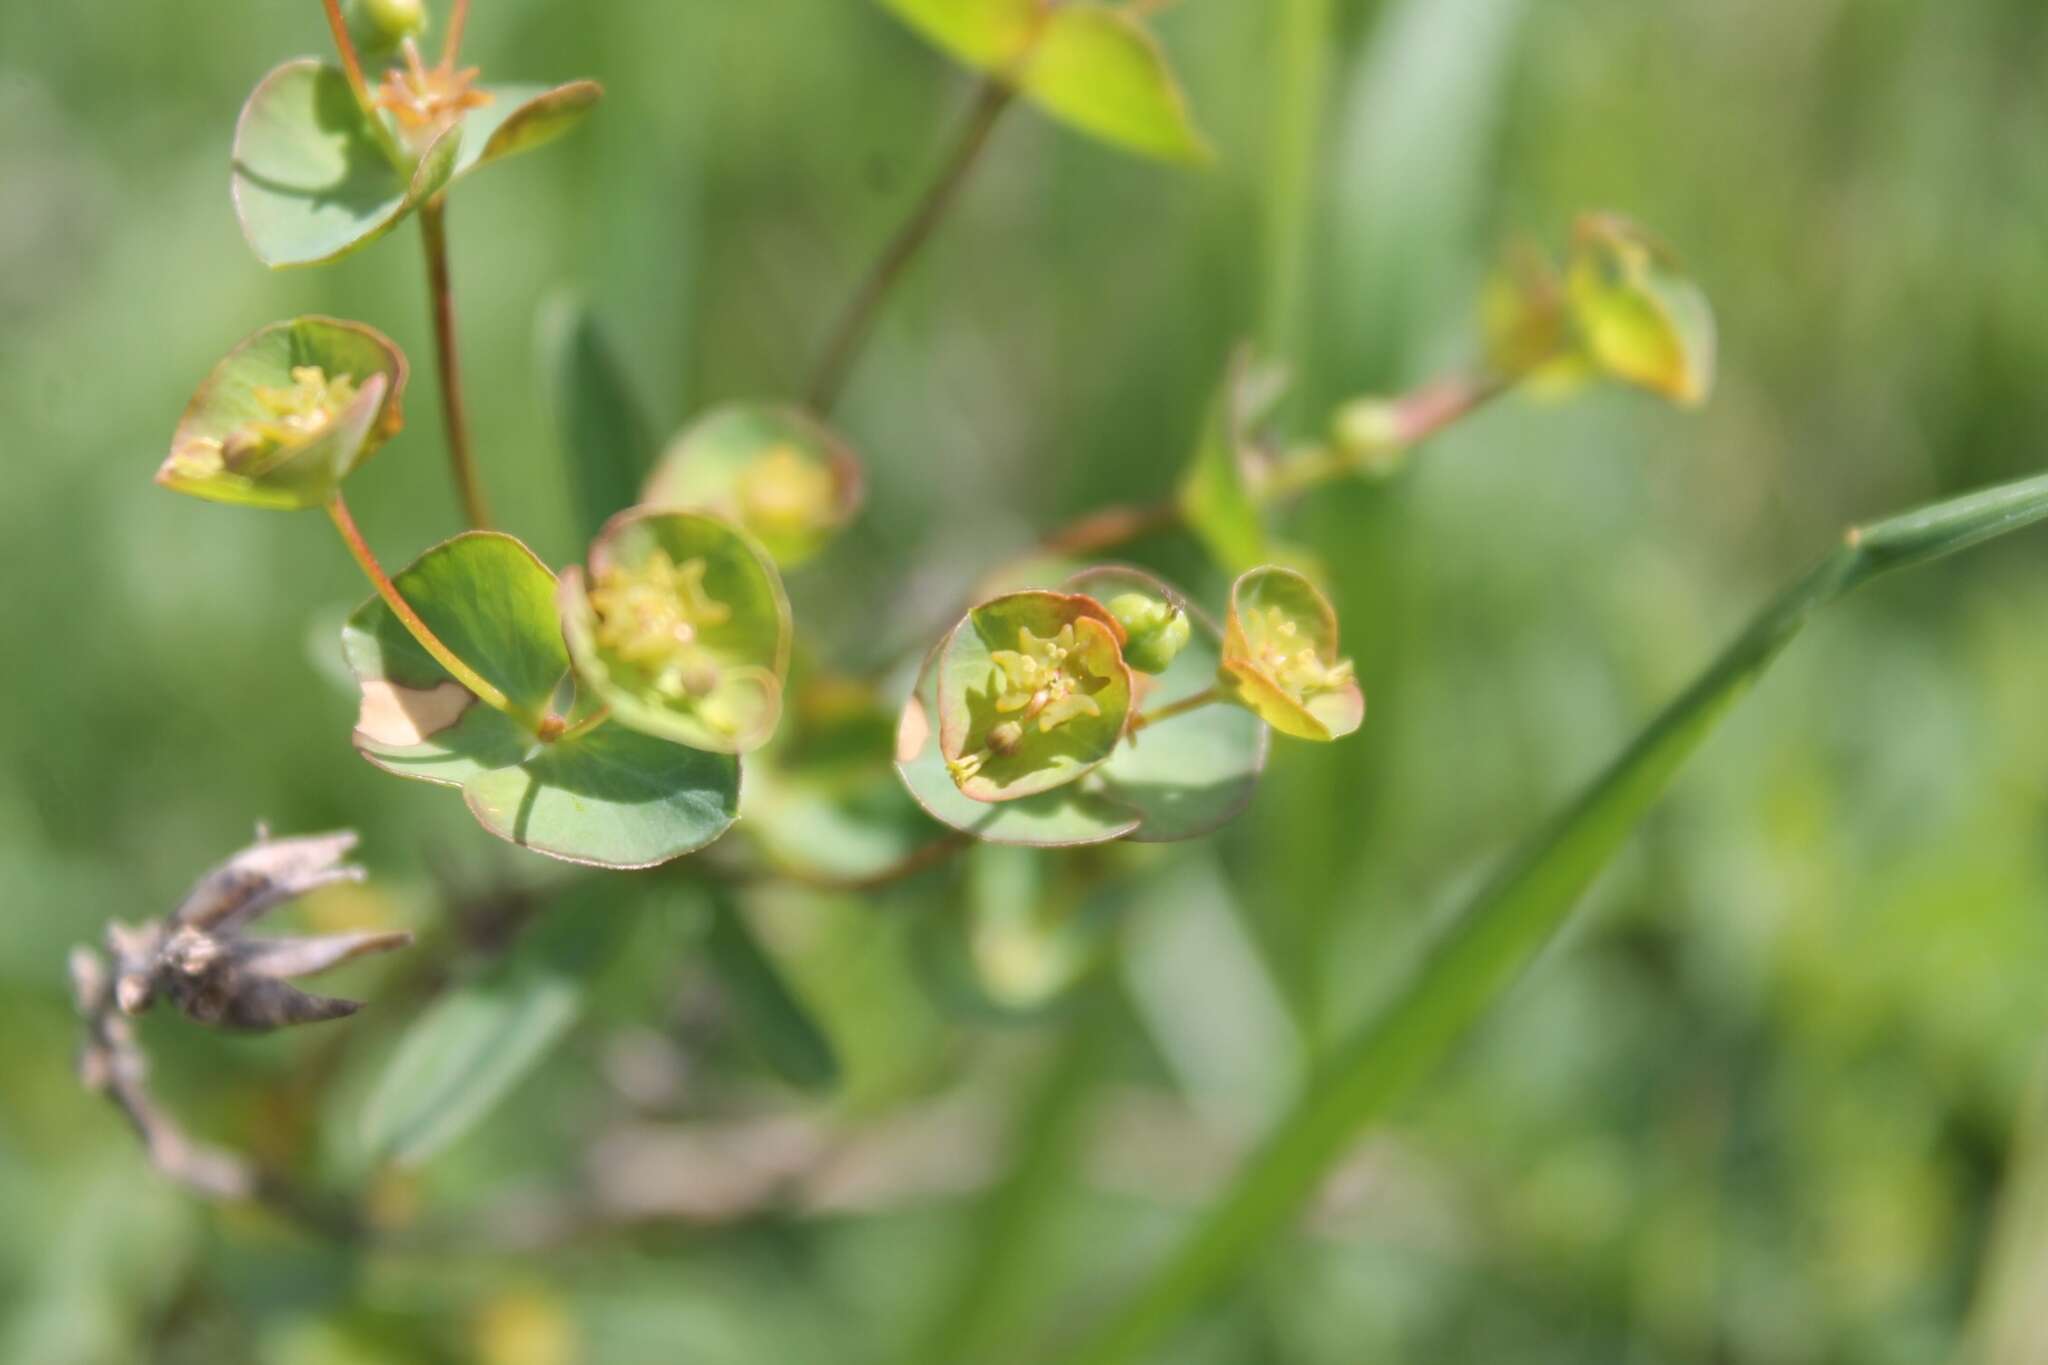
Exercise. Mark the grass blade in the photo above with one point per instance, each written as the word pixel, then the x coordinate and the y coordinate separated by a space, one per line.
pixel 607 441
pixel 1521 909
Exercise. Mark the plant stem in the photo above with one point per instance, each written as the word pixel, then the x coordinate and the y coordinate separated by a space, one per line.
pixel 488 694
pixel 451 46
pixel 359 86
pixel 1196 702
pixel 351 64
pixel 434 235
pixel 852 329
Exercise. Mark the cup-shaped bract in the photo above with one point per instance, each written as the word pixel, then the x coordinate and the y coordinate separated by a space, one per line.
pixel 682 628
pixel 1639 317
pixel 778 472
pixel 1280 657
pixel 287 414
pixel 1033 692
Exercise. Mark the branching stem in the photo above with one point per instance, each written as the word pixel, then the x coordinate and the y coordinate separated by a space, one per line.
pixel 454 415
pixel 486 692
pixel 1195 702
pixel 852 329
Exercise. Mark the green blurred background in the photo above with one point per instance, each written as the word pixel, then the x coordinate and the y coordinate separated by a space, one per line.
pixel 1765 1106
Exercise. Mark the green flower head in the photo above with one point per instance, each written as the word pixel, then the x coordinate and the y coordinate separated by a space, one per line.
pixel 1280 657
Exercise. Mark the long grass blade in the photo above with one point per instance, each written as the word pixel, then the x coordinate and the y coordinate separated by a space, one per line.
pixel 1482 951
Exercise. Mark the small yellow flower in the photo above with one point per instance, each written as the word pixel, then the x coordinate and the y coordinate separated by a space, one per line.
pixel 1049 680
pixel 784 493
pixel 298 415
pixel 1289 658
pixel 653 616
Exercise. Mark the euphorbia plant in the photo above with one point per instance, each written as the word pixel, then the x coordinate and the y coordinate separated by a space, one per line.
pixel 603 714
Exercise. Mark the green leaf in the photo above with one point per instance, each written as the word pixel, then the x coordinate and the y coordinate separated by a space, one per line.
pixel 1097 69
pixel 788 479
pixel 610 797
pixel 1280 656
pixel 1000 739
pixel 1094 67
pixel 1216 495
pixel 682 629
pixel 1518 914
pixel 461 1058
pixel 607 442
pixel 313 179
pixel 237 442
pixel 1640 318
pixel 985 34
pixel 771 1017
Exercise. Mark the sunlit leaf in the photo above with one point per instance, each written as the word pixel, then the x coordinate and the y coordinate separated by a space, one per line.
pixel 1094 67
pixel 288 414
pixel 1097 69
pixel 785 477
pixel 987 34
pixel 610 797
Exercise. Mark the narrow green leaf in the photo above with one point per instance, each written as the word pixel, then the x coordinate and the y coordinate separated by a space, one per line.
pixel 606 439
pixel 772 1018
pixel 1215 495
pixel 464 1056
pixel 1514 917
pixel 1099 70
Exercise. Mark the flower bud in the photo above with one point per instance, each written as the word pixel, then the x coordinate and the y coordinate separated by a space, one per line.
pixel 1371 436
pixel 1157 630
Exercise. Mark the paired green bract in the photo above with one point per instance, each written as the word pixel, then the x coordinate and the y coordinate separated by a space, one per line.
pixel 314 180
pixel 1177 779
pixel 1092 66
pixel 612 797
pixel 287 414
pixel 681 627
pixel 1280 657
pixel 778 472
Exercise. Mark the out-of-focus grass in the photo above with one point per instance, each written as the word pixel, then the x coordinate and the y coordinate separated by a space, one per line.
pixel 1759 1112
